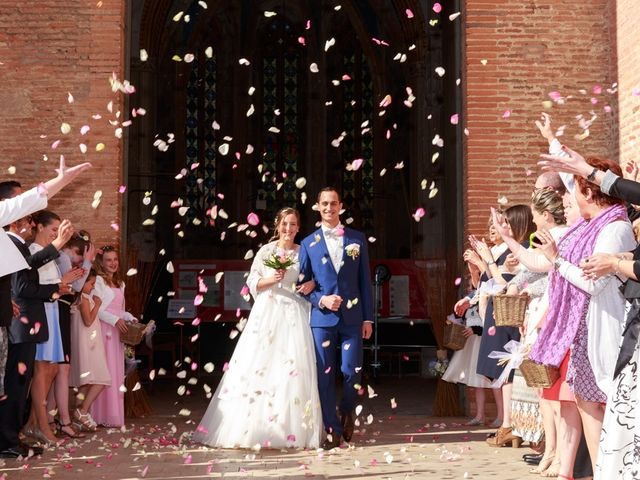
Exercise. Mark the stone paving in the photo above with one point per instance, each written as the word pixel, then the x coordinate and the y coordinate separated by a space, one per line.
pixel 401 442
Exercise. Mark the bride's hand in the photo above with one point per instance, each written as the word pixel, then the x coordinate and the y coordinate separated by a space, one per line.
pixel 306 288
pixel 278 276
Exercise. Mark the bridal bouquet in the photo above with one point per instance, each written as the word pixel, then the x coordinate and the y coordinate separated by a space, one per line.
pixel 279 261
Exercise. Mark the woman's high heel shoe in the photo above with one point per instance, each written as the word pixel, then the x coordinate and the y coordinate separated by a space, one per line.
pixel 504 435
pixel 42 438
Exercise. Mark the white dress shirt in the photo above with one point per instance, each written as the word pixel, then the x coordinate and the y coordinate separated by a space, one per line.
pixel 334 237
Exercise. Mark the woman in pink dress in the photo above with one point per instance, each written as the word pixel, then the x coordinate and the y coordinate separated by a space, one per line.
pixel 108 408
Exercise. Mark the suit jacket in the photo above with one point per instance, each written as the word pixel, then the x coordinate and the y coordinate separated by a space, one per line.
pixel 352 282
pixel 30 296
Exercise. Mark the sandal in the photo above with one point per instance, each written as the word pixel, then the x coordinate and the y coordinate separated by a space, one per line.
pixel 67 430
pixel 84 421
pixel 474 422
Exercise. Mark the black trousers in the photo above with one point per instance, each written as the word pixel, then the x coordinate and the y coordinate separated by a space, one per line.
pixel 13 410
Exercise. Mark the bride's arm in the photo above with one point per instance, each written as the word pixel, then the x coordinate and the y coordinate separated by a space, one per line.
pixel 258 280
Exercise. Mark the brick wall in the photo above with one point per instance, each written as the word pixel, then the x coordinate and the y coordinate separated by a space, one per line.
pixel 516 52
pixel 48 49
pixel 628 39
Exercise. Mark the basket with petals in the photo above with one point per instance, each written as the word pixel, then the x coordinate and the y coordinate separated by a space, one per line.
pixel 134 334
pixel 509 310
pixel 454 338
pixel 538 375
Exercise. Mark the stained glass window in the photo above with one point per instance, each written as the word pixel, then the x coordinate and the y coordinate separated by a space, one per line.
pixel 200 138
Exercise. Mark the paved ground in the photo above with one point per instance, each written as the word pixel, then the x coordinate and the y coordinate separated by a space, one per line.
pixel 401 442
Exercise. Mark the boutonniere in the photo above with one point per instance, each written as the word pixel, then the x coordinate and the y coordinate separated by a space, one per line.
pixel 353 250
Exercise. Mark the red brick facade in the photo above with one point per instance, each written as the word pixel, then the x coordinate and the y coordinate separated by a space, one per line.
pixel 628 75
pixel 49 49
pixel 516 52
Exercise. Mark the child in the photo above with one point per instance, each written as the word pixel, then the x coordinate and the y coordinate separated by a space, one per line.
pixel 108 408
pixel 89 372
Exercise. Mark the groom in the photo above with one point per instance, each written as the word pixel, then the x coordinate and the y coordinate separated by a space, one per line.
pixel 341 310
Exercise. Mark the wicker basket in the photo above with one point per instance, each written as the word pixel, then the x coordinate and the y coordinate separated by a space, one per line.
pixel 509 310
pixel 537 375
pixel 134 335
pixel 453 337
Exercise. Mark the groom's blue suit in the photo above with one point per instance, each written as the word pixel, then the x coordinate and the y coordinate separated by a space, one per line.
pixel 343 327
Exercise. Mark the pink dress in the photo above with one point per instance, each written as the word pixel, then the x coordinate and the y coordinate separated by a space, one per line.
pixel 88 359
pixel 108 408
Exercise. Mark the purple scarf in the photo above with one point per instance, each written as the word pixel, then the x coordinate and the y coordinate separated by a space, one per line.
pixel 567 303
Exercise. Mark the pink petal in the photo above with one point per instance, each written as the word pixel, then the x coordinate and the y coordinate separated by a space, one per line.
pixel 122 188
pixel 84 129
pixel 301 41
pixel 437 7
pixel 357 163
pixel 491 331
pixel 597 89
pixel 198 300
pixel 458 281
pixel 506 114
pixel 454 119
pixel 409 13
pixel 22 368
pixel 244 291
pixel 55 144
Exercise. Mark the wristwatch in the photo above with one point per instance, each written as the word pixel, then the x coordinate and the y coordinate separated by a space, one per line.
pixel 592 176
pixel 557 262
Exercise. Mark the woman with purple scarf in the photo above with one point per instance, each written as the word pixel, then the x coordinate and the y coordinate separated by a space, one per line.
pixel 585 316
pixel 619 453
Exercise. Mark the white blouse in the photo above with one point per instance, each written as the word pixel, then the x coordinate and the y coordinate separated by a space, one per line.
pixel 606 311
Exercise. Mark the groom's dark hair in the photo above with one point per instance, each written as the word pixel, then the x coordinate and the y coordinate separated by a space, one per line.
pixel 329 189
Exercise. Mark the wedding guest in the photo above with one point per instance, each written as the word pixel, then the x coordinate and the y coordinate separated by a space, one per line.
pixel 462 367
pixel 15 205
pixel 480 299
pixel 585 314
pixel 77 253
pixel 620 438
pixel 89 371
pixel 108 407
pixel 520 221
pixel 49 352
pixel 532 415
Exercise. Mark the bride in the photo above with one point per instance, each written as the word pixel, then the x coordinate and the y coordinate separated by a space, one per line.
pixel 268 396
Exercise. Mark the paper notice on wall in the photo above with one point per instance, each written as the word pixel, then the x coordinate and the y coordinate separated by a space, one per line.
pixel 233 283
pixel 399 295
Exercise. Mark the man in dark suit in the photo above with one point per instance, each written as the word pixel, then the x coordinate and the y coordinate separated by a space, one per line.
pixel 341 310
pixel 26 328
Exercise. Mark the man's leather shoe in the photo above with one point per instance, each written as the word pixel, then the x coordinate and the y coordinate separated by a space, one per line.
pixel 331 442
pixel 22 450
pixel 346 419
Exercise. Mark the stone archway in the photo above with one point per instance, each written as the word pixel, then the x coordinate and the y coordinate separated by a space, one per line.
pixel 400 135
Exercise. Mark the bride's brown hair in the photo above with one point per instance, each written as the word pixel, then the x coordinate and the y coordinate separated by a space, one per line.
pixel 280 216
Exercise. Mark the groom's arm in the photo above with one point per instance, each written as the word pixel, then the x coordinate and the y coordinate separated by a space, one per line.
pixel 364 280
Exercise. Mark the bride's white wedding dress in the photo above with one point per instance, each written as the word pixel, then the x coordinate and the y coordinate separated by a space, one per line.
pixel 269 394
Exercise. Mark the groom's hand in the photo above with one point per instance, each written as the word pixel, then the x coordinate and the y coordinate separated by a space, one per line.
pixel 332 302
pixel 367 330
